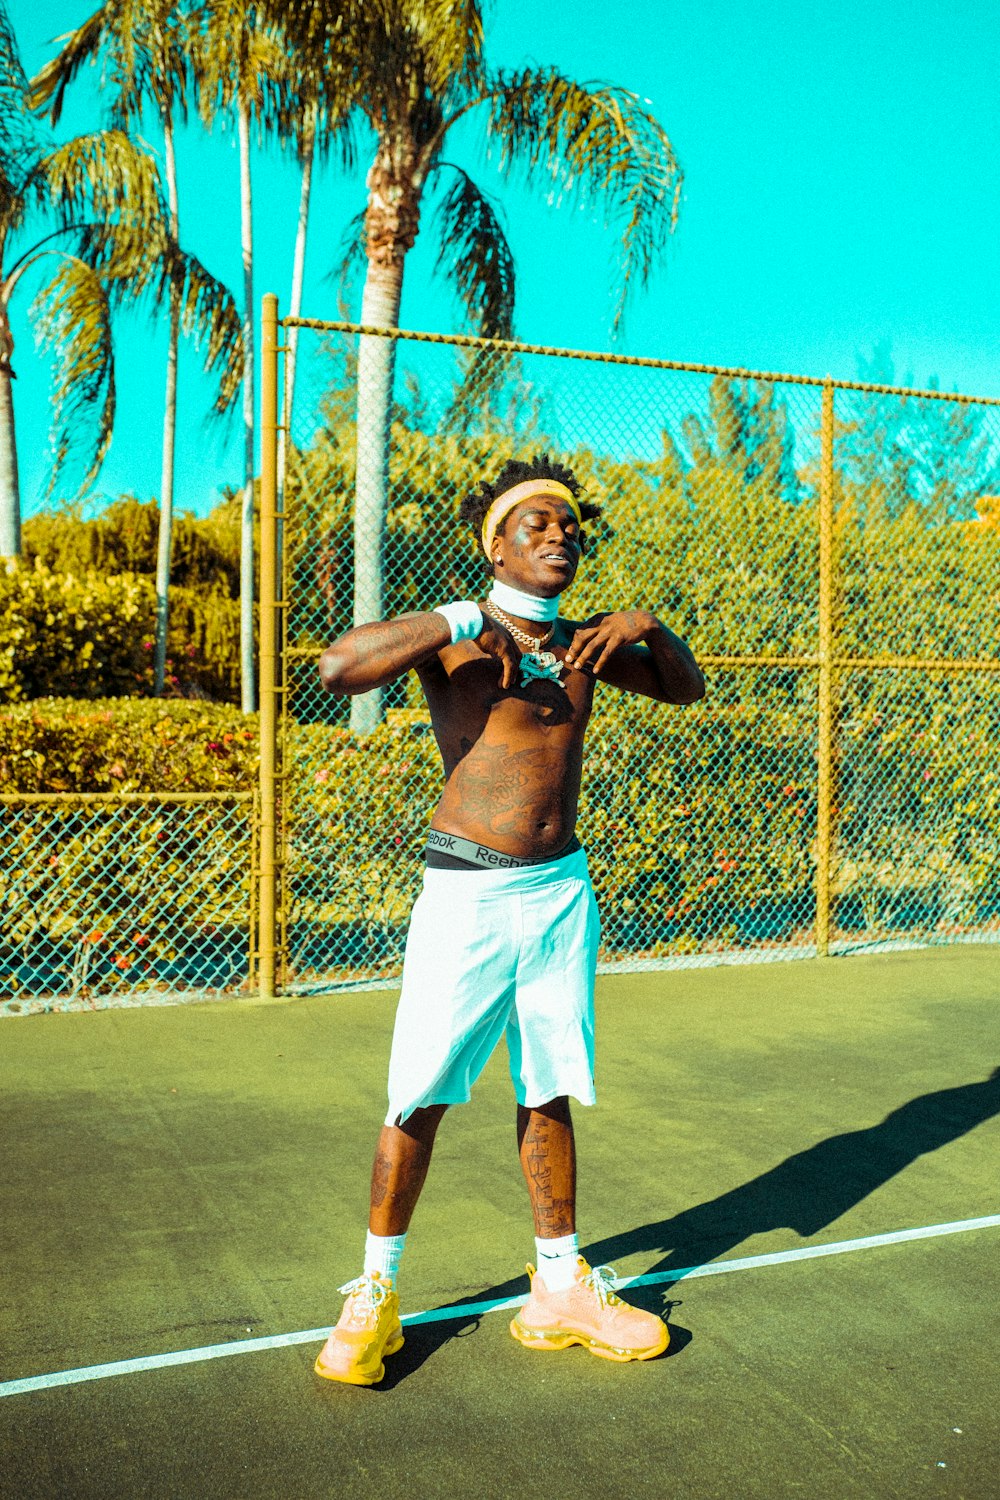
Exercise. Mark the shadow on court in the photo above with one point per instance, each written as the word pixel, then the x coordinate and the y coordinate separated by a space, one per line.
pixel 807 1192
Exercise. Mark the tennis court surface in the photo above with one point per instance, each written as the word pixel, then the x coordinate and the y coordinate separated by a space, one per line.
pixel 185 1178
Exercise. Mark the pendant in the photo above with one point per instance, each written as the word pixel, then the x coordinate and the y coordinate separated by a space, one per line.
pixel 541 666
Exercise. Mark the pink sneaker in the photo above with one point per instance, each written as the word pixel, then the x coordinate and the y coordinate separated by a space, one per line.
pixel 369 1328
pixel 590 1314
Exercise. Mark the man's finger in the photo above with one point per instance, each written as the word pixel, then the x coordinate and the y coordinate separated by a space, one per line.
pixel 605 656
pixel 590 648
pixel 581 639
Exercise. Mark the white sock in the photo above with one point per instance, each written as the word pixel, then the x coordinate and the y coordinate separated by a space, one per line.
pixel 383 1253
pixel 557 1261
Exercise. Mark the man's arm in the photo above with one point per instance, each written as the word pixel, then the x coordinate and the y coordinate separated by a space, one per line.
pixel 369 656
pixel 634 651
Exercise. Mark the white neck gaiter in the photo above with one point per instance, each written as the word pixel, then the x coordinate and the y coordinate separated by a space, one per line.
pixel 524 606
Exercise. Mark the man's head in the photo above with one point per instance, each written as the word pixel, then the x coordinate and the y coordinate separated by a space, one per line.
pixel 529 525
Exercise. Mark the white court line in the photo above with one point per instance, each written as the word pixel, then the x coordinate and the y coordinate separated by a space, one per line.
pixel 477 1309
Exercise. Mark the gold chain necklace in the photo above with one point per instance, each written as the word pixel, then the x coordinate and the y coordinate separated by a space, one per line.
pixel 533 642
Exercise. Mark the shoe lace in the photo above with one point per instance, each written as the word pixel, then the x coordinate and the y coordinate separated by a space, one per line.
pixel 601 1280
pixel 368 1293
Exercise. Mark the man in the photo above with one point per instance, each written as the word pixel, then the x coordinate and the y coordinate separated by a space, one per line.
pixel 503 937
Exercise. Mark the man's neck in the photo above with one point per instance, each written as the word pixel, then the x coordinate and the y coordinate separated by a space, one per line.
pixel 524 606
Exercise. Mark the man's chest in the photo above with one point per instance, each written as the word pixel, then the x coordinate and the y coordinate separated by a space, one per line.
pixel 469 706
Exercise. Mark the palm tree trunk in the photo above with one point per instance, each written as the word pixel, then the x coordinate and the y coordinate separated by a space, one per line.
pixel 10 494
pixel 165 533
pixel 248 689
pixel 376 369
pixel 294 309
pixel 298 271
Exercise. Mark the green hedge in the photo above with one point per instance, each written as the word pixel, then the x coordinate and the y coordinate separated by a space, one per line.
pixel 91 636
pixel 126 745
pixel 699 823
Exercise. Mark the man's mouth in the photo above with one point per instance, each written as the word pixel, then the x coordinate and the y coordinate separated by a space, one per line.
pixel 559 558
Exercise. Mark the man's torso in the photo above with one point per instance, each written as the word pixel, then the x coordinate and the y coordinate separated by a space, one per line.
pixel 512 758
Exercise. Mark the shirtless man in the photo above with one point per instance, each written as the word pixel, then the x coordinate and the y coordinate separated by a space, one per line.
pixel 503 938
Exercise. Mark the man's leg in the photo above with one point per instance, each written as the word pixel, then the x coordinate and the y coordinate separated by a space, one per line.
pixel 570 1303
pixel 369 1326
pixel 402 1157
pixel 547 1150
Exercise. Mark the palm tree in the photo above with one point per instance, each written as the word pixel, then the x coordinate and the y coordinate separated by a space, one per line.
pixel 419 69
pixel 240 65
pixel 104 223
pixel 144 46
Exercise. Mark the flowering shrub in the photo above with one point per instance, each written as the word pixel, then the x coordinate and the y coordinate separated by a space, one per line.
pixel 127 745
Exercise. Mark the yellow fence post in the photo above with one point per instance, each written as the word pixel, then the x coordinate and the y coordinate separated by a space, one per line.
pixel 824 788
pixel 267 863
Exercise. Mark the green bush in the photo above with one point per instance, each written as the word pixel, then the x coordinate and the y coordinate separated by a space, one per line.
pixel 130 745
pixel 700 824
pixel 91 636
pixel 204 553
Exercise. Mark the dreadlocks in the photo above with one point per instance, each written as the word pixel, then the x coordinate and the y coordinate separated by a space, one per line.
pixel 515 471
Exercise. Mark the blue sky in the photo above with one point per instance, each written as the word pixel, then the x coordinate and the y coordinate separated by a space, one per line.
pixel 842 192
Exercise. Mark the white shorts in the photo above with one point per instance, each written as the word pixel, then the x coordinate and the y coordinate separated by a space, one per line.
pixel 494 951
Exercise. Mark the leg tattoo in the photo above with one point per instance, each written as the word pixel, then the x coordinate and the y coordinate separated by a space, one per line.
pixel 548 1159
pixel 401 1161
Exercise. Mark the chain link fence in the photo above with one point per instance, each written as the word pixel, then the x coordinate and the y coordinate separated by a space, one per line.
pixel 121 898
pixel 830 551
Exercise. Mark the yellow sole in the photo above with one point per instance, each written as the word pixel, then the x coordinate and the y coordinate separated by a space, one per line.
pixel 359 1377
pixel 550 1340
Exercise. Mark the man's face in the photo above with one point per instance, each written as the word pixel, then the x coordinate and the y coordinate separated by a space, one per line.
pixel 537 549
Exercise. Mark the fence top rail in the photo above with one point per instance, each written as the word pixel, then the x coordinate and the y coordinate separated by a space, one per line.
pixel 11 799
pixel 799 659
pixel 511 346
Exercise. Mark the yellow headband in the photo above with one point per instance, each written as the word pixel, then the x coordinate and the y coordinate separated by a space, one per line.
pixel 504 504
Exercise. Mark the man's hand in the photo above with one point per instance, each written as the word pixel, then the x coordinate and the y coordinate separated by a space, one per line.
pixel 592 645
pixel 495 641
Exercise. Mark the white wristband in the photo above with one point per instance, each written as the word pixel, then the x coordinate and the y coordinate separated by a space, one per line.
pixel 464 617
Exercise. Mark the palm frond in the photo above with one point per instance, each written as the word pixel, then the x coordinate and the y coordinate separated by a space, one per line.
pixel 171 276
pixel 143 47
pixel 449 35
pixel 21 141
pixel 106 188
pixel 475 252
pixel 240 59
pixel 599 145
pixel 48 87
pixel 209 314
pixel 13 80
pixel 314 111
pixel 73 318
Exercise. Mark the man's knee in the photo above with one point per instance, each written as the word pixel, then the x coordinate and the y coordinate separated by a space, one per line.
pixel 422 1124
pixel 553 1109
